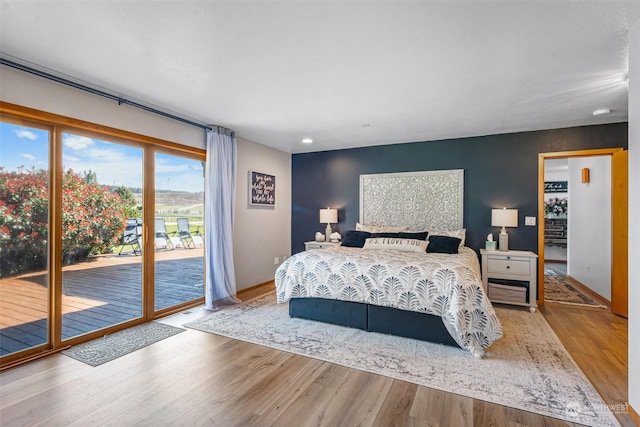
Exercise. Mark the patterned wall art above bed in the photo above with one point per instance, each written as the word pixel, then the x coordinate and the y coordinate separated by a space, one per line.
pixel 428 200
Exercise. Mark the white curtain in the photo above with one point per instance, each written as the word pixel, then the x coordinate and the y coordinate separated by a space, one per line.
pixel 219 208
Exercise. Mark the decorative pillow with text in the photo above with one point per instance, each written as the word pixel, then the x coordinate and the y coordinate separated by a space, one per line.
pixel 406 245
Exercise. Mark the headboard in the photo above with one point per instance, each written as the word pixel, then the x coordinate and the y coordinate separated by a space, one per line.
pixel 429 200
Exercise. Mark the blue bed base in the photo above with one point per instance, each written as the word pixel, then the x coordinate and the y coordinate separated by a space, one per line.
pixel 373 318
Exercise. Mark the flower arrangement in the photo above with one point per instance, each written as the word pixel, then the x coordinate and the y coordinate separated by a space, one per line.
pixel 556 207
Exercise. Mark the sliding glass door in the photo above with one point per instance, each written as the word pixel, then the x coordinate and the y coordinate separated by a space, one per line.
pixel 100 229
pixel 24 237
pixel 101 234
pixel 179 230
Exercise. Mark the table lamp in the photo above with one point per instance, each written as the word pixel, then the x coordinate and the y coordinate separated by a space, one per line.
pixel 504 218
pixel 328 216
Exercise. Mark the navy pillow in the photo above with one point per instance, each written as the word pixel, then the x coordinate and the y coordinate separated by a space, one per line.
pixel 443 245
pixel 420 236
pixel 355 239
pixel 385 234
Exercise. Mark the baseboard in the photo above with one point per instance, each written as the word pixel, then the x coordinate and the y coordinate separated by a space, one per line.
pixel 590 292
pixel 253 291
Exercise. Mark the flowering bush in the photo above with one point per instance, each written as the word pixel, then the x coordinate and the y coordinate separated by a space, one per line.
pixel 24 209
pixel 556 206
pixel 93 219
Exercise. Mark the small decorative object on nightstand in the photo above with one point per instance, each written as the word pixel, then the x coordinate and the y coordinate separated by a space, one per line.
pixel 490 244
pixel 509 277
pixel 320 245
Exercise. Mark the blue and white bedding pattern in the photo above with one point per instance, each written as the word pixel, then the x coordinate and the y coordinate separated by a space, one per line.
pixel 446 285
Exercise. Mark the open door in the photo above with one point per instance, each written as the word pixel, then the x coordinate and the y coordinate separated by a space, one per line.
pixel 620 227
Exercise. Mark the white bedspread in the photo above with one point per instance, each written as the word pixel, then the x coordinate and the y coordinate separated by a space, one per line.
pixel 444 285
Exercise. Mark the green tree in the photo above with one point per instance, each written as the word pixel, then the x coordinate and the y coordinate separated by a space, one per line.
pixel 90 177
pixel 128 201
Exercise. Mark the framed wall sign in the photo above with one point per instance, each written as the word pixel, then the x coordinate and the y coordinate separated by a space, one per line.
pixel 262 189
pixel 556 186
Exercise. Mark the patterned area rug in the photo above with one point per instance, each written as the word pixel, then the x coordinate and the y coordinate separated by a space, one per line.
pixel 527 369
pixel 123 342
pixel 558 289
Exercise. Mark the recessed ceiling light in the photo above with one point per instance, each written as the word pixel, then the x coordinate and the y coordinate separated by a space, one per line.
pixel 307 141
pixel 601 112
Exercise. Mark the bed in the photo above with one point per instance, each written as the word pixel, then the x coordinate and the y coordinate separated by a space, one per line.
pixel 408 272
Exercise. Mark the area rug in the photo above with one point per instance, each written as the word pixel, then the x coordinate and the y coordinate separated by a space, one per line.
pixel 559 289
pixel 527 369
pixel 112 346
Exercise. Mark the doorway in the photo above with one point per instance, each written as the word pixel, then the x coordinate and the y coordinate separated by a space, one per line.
pixel 609 246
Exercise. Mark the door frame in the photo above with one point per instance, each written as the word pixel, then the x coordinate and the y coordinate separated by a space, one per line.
pixel 558 155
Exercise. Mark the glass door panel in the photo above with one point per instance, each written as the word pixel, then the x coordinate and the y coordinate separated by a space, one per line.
pixel 24 230
pixel 179 230
pixel 101 234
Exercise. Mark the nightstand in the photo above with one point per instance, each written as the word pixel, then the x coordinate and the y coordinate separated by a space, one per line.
pixel 505 275
pixel 320 245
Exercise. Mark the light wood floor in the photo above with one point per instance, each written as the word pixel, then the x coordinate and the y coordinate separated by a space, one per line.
pixel 196 378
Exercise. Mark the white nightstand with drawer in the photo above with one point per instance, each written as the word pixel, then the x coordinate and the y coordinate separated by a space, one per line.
pixel 320 245
pixel 509 268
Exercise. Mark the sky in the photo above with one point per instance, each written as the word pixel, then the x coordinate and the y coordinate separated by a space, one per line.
pixel 24 148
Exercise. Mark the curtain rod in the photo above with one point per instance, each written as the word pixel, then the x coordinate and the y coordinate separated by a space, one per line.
pixel 120 100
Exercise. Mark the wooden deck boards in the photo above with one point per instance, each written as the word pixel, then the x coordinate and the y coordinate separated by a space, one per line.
pixel 104 291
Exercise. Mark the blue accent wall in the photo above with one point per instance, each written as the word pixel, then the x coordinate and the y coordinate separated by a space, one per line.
pixel 499 171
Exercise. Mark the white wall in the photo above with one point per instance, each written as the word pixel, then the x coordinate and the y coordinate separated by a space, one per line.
pixel 261 233
pixel 18 87
pixel 589 224
pixel 634 207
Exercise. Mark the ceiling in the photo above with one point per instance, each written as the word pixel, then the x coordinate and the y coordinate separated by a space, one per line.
pixel 344 73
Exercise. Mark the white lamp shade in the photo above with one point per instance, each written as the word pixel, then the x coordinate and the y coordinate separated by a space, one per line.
pixel 328 216
pixel 504 217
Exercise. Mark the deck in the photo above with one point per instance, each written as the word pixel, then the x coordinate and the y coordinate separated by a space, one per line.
pixel 101 292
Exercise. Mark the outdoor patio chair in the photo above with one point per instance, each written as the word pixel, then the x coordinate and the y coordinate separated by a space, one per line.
pixel 185 234
pixel 162 237
pixel 131 236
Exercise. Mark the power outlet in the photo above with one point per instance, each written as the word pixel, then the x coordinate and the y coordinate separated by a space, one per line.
pixel 530 220
pixel 276 261
pixel 284 258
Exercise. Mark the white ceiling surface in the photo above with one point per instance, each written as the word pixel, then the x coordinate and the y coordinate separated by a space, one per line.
pixel 344 73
